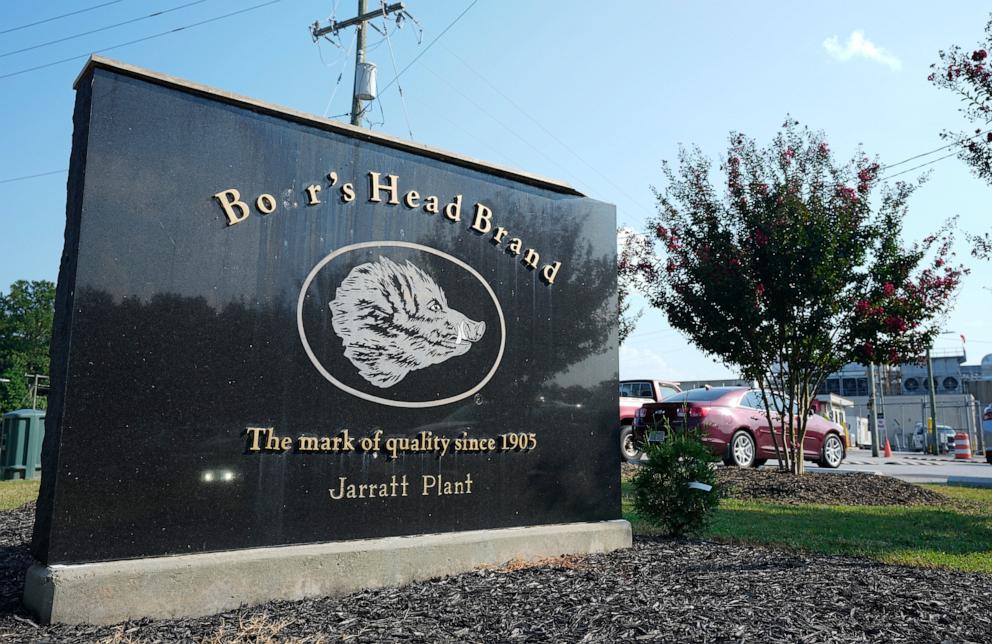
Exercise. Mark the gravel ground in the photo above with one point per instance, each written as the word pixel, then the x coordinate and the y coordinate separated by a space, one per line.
pixel 660 590
pixel 855 488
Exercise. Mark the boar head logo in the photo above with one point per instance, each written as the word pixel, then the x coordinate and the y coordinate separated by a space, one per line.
pixel 394 319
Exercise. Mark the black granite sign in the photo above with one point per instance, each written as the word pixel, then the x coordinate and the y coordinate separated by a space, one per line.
pixel 272 329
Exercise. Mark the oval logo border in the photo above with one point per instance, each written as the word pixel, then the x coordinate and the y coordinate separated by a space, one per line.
pixel 385 401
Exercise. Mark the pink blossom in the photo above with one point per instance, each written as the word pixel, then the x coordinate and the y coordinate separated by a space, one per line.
pixel 889 288
pixel 895 324
pixel 868 349
pixel 979 55
pixel 847 193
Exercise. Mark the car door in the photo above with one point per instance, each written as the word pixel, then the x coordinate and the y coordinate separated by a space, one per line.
pixel 816 430
pixel 754 413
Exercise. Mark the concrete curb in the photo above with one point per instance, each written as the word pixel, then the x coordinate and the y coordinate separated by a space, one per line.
pixel 208 583
pixel 969 481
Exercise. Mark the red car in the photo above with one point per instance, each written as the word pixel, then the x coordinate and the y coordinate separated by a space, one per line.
pixel 735 427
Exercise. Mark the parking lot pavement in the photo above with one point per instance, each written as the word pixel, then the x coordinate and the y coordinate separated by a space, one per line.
pixel 911 467
pixel 915 468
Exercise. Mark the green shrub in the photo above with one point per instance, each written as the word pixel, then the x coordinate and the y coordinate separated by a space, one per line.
pixel 662 494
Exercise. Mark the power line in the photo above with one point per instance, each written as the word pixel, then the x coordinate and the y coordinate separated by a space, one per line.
pixel 541 125
pixel 922 165
pixel 427 48
pixel 483 110
pixel 943 147
pixel 93 31
pixel 64 15
pixel 33 176
pixel 137 40
pixel 406 115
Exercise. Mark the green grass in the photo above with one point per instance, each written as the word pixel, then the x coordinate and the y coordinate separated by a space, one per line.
pixel 957 535
pixel 14 494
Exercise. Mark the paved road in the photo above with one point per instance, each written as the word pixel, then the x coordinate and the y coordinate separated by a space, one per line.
pixel 915 468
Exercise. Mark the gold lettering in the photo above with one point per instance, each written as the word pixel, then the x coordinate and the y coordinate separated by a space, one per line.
pixel 312 191
pixel 340 494
pixel 265 203
pixel 255 433
pixel 453 210
pixel 392 187
pixel 499 234
pixel 550 272
pixel 412 199
pixel 514 247
pixel 431 205
pixel 307 444
pixel 285 443
pixel 347 193
pixel 483 221
pixel 531 258
pixel 332 176
pixel 430 482
pixel 229 200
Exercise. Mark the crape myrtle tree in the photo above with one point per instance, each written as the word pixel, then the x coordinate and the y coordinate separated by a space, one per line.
pixel 634 269
pixel 792 266
pixel 968 74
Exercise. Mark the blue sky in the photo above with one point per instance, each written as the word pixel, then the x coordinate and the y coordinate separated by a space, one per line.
pixel 596 94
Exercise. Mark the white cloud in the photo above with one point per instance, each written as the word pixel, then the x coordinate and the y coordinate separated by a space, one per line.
pixel 642 362
pixel 857 46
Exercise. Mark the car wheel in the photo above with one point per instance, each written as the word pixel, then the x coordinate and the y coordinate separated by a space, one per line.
pixel 628 446
pixel 832 452
pixel 742 452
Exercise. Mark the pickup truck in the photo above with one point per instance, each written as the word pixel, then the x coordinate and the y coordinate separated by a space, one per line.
pixel 633 394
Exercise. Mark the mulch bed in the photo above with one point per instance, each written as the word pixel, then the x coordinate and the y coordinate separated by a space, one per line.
pixel 854 488
pixel 660 590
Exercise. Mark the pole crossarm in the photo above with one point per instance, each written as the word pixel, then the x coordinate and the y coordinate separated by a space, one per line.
pixel 334 27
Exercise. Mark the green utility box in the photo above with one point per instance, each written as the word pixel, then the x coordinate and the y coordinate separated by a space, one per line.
pixel 21 436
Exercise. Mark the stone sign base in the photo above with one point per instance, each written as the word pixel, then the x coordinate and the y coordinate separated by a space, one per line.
pixel 208 583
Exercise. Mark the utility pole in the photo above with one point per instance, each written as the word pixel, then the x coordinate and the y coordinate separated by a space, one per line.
pixel 872 418
pixel 932 433
pixel 980 428
pixel 883 423
pixel 359 23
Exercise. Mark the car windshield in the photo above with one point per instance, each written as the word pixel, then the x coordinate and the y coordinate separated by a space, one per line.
pixel 701 395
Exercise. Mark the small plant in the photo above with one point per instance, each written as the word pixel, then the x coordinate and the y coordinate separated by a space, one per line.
pixel 670 490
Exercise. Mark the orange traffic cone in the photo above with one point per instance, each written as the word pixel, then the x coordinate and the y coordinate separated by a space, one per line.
pixel 888 448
